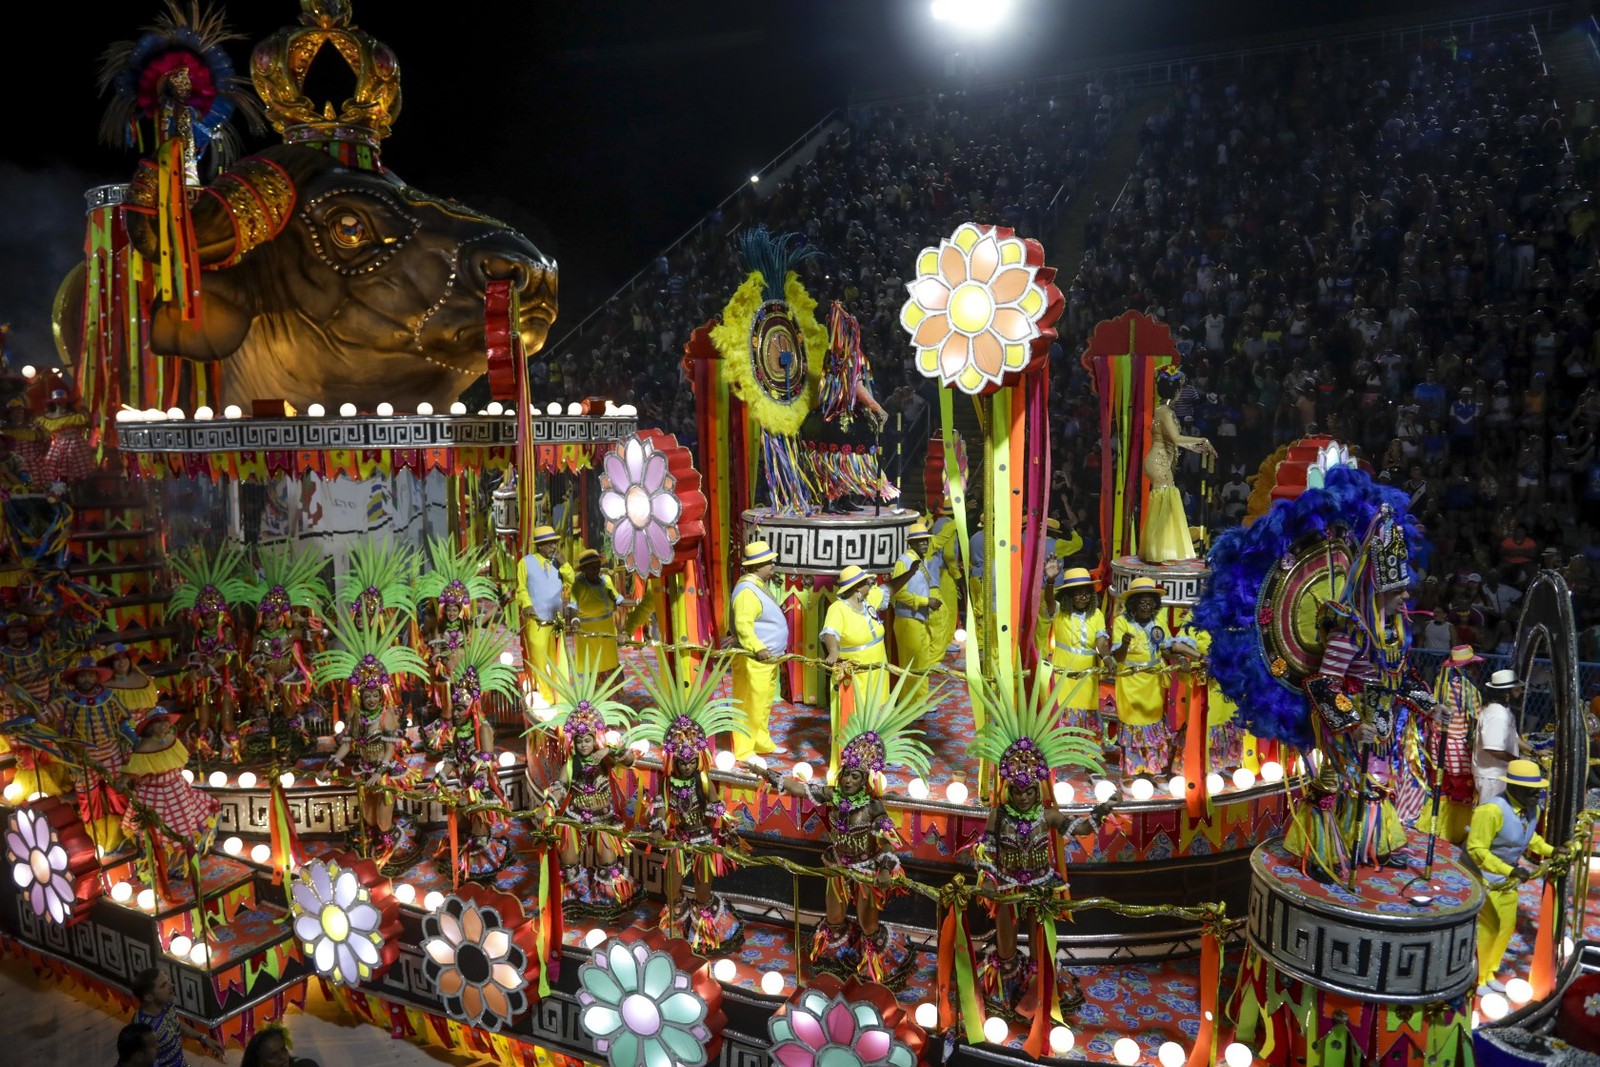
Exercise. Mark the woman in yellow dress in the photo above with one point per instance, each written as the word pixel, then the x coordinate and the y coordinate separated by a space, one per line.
pixel 852 633
pixel 1165 537
pixel 595 600
pixel 1138 646
pixel 1079 647
pixel 133 688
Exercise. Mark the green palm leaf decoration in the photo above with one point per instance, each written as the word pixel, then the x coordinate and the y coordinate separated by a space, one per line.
pixel 584 699
pixel 457 575
pixel 1022 734
pixel 218 571
pixel 380 578
pixel 878 734
pixel 366 654
pixel 296 572
pixel 479 668
pixel 685 711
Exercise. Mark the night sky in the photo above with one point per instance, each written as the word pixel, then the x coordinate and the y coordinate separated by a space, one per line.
pixel 600 129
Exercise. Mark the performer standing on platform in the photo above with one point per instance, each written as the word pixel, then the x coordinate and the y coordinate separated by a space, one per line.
pixel 593 611
pixel 1137 644
pixel 853 648
pixel 914 603
pixel 1079 647
pixel 945 571
pixel 544 584
pixel 154 776
pixel 762 630
pixel 1443 748
pixel 69 458
pixel 26 682
pixel 135 690
pixel 88 712
pixel 1503 830
pixel 840 434
pixel 1165 537
pixel 1496 741
pixel 862 838
pixel 467 746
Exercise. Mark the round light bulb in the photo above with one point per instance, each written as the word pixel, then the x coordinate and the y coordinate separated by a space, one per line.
pixel 1244 778
pixel 458 408
pixel 1065 793
pixel 122 892
pixel 724 971
pixel 1519 991
pixel 995 1030
pixel 759 761
pixel 433 901
pixel 1104 790
pixel 1061 1040
pixel 127 415
pixel 146 900
pixel 154 415
pixel 180 945
pixel 724 760
pixel 405 893
pixel 1271 771
pixel 628 410
pixel 13 793
pixel 553 408
pixel 496 408
pixel 286 779
pixel 772 983
pixel 1126 1051
pixel 642 747
pixel 204 414
pixel 1177 786
pixel 927 1015
pixel 1567 945
pixel 574 408
pixel 507 659
pixel 1238 1054
pixel 956 793
pixel 200 955
pixel 1171 1054
pixel 188 776
pixel 217 780
pixel 507 759
pixel 233 846
pixel 233 411
pixel 917 789
pixel 1143 789
pixel 30 371
pixel 316 411
pixel 424 408
pixel 261 853
pixel 612 737
pixel 385 409
pixel 803 771
pixel 247 780
pixel 960 636
pixel 1494 1006
pixel 338 727
pixel 347 409
pixel 175 414
pixel 1214 783
pixel 594 938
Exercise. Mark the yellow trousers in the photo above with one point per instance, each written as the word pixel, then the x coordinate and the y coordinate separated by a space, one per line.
pixel 543 651
pixel 597 652
pixel 914 650
pixel 755 687
pixel 1455 819
pixel 1496 923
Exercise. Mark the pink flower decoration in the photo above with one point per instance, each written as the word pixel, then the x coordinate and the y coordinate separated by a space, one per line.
pixel 818 1029
pixel 639 501
pixel 39 865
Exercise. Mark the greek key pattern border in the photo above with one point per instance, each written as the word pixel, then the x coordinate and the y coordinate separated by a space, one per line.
pixel 364 434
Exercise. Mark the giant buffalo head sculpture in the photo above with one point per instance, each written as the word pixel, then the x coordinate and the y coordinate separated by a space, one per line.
pixel 323 283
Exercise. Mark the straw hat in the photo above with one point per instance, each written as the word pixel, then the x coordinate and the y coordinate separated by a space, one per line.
pixel 155 715
pixel 758 552
pixel 919 531
pixel 1503 681
pixel 588 556
pixel 541 534
pixel 849 578
pixel 1075 578
pixel 86 663
pixel 1526 773
pixel 1143 585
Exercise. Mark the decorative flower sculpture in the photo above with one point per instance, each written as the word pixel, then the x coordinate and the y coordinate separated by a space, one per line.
pixel 39 865
pixel 641 1008
pixel 640 502
pixel 340 929
pixel 474 962
pixel 981 308
pixel 834 1025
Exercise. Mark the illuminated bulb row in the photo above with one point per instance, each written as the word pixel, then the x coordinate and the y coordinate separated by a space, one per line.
pixel 405 893
pixel 175 414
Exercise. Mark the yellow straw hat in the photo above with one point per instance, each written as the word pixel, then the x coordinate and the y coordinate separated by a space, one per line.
pixel 758 552
pixel 1143 585
pixel 849 578
pixel 541 534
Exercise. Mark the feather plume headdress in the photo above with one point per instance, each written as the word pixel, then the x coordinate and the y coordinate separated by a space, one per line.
pixel 585 701
pixel 288 578
pixel 367 656
pixel 480 669
pixel 209 581
pixel 456 577
pixel 1022 734
pixel 685 713
pixel 380 579
pixel 879 734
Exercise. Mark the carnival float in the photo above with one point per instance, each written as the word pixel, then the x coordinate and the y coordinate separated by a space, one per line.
pixel 527 733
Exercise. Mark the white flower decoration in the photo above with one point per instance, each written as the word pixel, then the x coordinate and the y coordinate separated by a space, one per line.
pixel 1591 1004
pixel 39 865
pixel 336 922
pixel 640 505
pixel 641 1009
pixel 823 1031
pixel 974 309
pixel 473 963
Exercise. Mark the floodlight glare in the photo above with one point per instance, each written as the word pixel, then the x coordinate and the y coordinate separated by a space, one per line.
pixel 971 14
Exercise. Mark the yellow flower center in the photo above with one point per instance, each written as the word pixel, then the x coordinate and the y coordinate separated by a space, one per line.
pixel 971 307
pixel 41 867
pixel 335 923
pixel 638 506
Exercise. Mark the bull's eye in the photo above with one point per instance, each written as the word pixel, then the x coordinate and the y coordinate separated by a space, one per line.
pixel 349 231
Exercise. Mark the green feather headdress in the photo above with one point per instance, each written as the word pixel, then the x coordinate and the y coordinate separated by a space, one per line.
pixel 456 577
pixel 207 576
pixel 585 701
pixel 878 733
pixel 479 669
pixel 367 656
pixel 379 578
pixel 1023 737
pixel 288 578
pixel 686 713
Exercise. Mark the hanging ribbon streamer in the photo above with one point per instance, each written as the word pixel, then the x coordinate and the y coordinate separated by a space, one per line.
pixel 1047 1009
pixel 178 269
pixel 1542 971
pixel 1204 1053
pixel 956 964
pixel 285 842
pixel 957 480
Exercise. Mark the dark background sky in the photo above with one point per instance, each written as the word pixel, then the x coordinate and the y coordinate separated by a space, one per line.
pixel 601 129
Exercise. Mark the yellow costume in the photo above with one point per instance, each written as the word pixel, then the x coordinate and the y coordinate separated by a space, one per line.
pixel 543 587
pixel 1073 637
pixel 759 625
pixel 1165 536
pixel 597 631
pixel 1503 830
pixel 945 562
pixel 914 641
pixel 1141 694
pixel 860 638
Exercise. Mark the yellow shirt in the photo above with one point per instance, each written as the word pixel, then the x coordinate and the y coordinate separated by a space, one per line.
pixel 1219 709
pixel 1487 819
pixel 1140 694
pixel 1072 648
pixel 860 635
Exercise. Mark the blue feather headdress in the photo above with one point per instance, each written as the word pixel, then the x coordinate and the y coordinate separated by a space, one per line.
pixel 774 255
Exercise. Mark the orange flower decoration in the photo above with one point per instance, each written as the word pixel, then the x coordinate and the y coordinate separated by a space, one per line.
pixel 981 308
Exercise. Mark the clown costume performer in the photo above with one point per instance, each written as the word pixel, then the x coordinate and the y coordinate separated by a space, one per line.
pixel 88 713
pixel 169 818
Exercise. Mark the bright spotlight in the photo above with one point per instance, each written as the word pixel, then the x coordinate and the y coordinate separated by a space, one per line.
pixel 981 15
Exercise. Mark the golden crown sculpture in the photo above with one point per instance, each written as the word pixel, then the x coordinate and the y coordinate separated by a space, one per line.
pixel 280 64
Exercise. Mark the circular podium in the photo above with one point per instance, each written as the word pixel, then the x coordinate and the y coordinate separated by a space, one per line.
pixel 818 544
